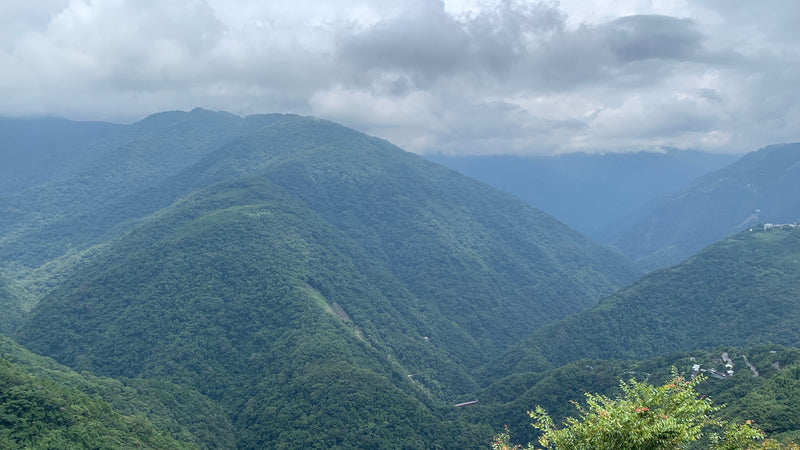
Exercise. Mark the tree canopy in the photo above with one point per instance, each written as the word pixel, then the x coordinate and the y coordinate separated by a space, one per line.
pixel 645 417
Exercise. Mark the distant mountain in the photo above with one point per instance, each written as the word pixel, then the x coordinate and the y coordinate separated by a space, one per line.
pixel 38 150
pixel 742 291
pixel 760 187
pixel 324 287
pixel 588 191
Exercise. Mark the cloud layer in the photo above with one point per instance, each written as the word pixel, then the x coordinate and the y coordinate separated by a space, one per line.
pixel 501 76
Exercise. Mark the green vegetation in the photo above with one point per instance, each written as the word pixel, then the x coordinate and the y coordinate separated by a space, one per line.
pixel 12 307
pixel 742 291
pixel 645 417
pixel 300 270
pixel 86 201
pixel 756 189
pixel 36 413
pixel 182 413
pixel 748 397
pixel 280 281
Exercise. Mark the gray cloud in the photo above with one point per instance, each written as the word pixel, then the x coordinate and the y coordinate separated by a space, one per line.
pixel 506 76
pixel 641 37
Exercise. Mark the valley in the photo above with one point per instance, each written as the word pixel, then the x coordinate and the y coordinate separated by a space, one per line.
pixel 282 281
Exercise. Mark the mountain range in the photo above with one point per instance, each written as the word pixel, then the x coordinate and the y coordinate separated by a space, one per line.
pixel 215 281
pixel 757 188
pixel 742 291
pixel 589 192
pixel 296 272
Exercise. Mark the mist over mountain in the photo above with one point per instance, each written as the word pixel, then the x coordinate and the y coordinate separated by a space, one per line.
pixel 38 150
pixel 758 188
pixel 284 281
pixel 588 192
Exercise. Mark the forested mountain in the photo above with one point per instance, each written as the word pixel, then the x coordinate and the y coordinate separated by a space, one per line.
pixel 12 307
pixel 285 282
pixel 37 150
pixel 38 413
pixel 760 187
pixel 322 286
pixel 88 203
pixel 763 386
pixel 132 408
pixel 742 291
pixel 588 192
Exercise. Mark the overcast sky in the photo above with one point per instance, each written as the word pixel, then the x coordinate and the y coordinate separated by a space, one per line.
pixel 461 76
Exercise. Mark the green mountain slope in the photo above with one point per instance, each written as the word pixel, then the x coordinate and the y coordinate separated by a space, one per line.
pixel 334 286
pixel 176 410
pixel 37 413
pixel 13 307
pixel 224 303
pixel 758 188
pixel 742 291
pixel 38 150
pixel 81 207
pixel 766 394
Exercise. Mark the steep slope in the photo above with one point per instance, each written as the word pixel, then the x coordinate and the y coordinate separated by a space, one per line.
pixel 230 301
pixel 758 188
pixel 175 410
pixel 67 214
pixel 588 192
pixel 742 291
pixel 37 413
pixel 12 307
pixel 768 394
pixel 334 291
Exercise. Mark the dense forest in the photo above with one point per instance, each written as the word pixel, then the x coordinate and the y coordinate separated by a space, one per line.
pixel 212 281
pixel 756 189
pixel 741 291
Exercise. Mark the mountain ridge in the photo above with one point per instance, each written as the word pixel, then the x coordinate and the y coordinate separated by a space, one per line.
pixel 741 291
pixel 303 256
pixel 755 189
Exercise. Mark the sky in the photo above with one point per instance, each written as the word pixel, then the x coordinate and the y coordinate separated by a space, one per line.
pixel 459 76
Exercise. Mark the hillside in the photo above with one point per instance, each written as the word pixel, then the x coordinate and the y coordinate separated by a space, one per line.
pixel 12 307
pixel 44 224
pixel 323 282
pixel 766 394
pixel 39 150
pixel 742 291
pixel 588 192
pixel 37 413
pixel 758 188
pixel 183 414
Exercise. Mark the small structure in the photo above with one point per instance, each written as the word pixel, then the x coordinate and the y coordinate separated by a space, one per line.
pixel 466 404
pixel 717 374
